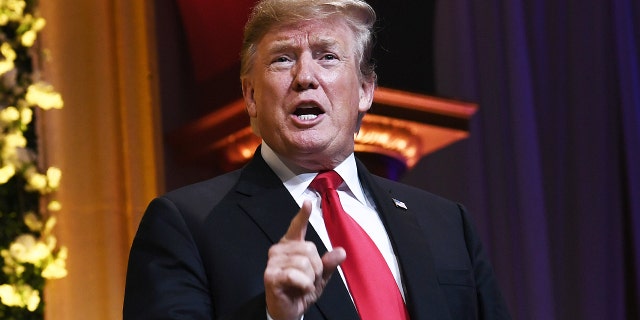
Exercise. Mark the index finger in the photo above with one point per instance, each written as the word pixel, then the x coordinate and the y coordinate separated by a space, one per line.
pixel 298 227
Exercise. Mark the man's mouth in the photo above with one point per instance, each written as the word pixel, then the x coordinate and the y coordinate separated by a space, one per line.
pixel 308 113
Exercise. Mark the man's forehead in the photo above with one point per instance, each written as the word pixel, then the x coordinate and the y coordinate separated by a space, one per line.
pixel 325 32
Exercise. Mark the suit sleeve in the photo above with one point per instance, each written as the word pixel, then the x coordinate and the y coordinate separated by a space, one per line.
pixel 165 276
pixel 491 303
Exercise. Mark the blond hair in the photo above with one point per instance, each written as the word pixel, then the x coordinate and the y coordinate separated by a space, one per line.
pixel 267 14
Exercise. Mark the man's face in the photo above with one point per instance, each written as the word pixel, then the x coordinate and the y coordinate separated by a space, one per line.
pixel 304 94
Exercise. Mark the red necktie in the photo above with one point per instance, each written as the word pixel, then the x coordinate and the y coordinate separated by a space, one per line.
pixel 372 286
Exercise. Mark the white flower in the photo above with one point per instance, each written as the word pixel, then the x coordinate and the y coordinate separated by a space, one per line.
pixel 54 205
pixel 37 181
pixel 5 254
pixel 9 56
pixel 32 300
pixel 63 253
pixel 39 24
pixel 44 96
pixel 28 38
pixel 27 249
pixel 43 183
pixel 14 8
pixel 11 142
pixel 26 115
pixel 20 296
pixel 50 241
pixel 19 270
pixel 48 225
pixel 15 139
pixel 33 222
pixel 6 173
pixel 9 114
pixel 7 51
pixel 53 177
pixel 55 270
pixel 9 296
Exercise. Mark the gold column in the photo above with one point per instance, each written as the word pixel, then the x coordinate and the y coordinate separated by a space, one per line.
pixel 100 57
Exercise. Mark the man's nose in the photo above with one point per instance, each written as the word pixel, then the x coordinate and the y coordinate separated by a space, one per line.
pixel 305 75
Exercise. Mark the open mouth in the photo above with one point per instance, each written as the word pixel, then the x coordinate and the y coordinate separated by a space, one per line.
pixel 308 113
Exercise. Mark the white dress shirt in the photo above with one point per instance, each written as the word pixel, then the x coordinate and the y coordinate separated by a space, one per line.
pixel 354 199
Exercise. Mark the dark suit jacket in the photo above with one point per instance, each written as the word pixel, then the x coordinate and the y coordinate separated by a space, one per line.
pixel 200 252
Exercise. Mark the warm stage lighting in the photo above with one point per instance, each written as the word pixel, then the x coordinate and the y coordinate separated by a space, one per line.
pixel 401 125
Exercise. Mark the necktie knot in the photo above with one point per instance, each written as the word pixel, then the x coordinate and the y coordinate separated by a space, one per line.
pixel 326 180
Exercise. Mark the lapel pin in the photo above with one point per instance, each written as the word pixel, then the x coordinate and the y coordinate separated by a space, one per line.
pixel 399 204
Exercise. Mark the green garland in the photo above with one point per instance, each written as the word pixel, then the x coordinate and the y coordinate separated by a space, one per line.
pixel 29 254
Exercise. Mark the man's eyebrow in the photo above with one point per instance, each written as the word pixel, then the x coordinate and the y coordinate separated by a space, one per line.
pixel 324 43
pixel 281 45
pixel 315 42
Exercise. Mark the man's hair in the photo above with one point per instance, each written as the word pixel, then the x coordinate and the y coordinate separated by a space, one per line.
pixel 267 14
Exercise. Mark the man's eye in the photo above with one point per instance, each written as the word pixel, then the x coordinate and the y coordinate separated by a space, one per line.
pixel 282 59
pixel 329 56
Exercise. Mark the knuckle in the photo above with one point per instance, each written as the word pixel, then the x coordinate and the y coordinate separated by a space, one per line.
pixel 310 248
pixel 300 262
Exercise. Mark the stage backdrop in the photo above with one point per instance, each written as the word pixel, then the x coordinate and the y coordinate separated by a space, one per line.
pixel 552 169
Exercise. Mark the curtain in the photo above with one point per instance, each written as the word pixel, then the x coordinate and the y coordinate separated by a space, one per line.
pixel 99 55
pixel 551 172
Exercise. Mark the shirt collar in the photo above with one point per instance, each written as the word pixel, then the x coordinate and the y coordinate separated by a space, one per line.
pixel 296 180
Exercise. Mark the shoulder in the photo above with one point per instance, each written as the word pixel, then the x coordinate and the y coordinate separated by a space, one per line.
pixel 430 210
pixel 211 190
pixel 402 191
pixel 192 203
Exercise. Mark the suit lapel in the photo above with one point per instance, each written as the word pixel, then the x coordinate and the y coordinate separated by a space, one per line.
pixel 425 299
pixel 271 207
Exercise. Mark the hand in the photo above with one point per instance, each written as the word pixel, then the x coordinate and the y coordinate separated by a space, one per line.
pixel 296 275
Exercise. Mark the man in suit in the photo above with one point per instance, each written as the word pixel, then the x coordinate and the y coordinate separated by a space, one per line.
pixel 256 243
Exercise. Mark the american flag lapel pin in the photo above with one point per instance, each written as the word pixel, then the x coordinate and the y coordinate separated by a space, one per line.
pixel 399 204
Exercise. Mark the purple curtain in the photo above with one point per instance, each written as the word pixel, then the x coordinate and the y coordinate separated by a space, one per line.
pixel 551 171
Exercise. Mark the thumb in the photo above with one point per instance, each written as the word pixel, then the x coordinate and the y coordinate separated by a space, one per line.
pixel 331 260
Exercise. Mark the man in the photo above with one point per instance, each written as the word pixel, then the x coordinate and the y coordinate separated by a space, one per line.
pixel 257 243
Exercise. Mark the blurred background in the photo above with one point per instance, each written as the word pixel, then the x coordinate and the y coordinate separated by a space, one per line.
pixel 549 169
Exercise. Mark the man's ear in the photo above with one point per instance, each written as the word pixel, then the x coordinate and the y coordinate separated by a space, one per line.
pixel 248 95
pixel 366 95
pixel 366 99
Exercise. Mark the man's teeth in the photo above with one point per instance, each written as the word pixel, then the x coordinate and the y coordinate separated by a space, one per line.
pixel 306 117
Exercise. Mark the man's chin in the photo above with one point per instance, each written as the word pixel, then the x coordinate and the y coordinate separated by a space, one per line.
pixel 317 158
